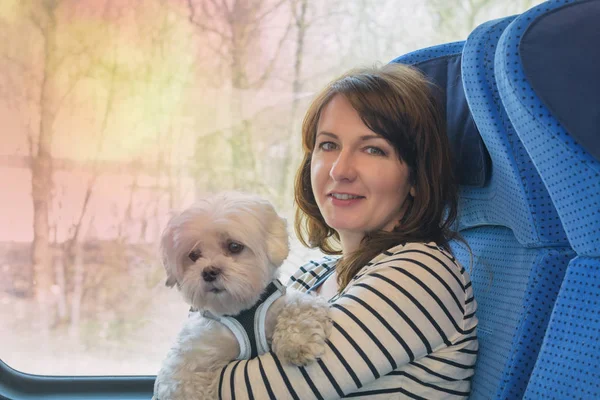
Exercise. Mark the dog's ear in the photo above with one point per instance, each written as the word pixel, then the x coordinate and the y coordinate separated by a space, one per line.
pixel 171 281
pixel 278 246
pixel 167 249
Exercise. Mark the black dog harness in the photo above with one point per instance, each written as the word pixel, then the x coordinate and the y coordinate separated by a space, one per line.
pixel 248 326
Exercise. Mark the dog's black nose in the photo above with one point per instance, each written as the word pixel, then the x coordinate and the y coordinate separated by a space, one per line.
pixel 210 274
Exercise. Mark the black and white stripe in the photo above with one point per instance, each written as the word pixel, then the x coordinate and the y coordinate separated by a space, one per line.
pixel 405 326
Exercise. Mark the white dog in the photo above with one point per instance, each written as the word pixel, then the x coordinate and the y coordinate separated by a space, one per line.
pixel 223 255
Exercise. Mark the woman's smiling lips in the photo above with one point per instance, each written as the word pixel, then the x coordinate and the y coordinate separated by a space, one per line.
pixel 344 199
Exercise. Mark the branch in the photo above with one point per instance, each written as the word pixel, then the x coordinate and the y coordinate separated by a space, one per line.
pixel 37 24
pixel 224 6
pixel 219 50
pixel 22 67
pixel 75 81
pixel 95 167
pixel 31 150
pixel 203 27
pixel 86 201
pixel 269 68
pixel 224 36
pixel 269 11
pixel 255 24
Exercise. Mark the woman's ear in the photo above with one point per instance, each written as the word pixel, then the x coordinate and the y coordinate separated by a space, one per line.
pixel 412 191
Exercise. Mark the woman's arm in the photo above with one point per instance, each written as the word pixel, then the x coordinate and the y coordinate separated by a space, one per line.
pixel 402 308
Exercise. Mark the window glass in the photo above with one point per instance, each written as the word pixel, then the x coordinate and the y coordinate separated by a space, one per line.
pixel 114 113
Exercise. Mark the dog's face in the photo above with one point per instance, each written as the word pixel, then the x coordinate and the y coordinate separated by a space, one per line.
pixel 223 251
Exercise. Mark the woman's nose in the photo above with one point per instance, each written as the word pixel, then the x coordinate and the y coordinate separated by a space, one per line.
pixel 343 168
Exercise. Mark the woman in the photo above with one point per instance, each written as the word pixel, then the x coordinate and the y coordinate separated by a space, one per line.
pixel 376 183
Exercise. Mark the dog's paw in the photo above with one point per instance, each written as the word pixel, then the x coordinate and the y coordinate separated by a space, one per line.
pixel 302 329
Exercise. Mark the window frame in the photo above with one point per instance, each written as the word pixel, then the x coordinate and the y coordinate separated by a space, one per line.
pixel 16 385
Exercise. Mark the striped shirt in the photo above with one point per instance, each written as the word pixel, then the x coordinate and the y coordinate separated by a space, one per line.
pixel 404 328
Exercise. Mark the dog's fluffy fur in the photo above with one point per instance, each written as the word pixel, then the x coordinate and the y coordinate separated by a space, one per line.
pixel 221 254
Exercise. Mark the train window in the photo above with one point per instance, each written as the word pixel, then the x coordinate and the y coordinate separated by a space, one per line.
pixel 114 113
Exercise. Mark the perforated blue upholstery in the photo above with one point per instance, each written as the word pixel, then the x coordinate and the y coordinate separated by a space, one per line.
pixel 520 250
pixel 528 256
pixel 516 196
pixel 515 288
pixel 568 362
pixel 571 174
pixel 431 53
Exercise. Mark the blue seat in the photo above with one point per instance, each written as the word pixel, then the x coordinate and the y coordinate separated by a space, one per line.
pixel 546 69
pixel 520 250
pixel 441 65
pixel 523 245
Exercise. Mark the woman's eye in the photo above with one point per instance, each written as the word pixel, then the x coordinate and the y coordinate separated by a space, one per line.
pixel 195 255
pixel 327 146
pixel 376 151
pixel 235 247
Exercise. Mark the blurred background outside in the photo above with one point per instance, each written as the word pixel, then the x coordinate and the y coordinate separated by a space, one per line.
pixel 117 112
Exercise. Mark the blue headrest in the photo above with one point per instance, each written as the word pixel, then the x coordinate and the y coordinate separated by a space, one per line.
pixel 441 64
pixel 546 69
pixel 516 196
pixel 565 76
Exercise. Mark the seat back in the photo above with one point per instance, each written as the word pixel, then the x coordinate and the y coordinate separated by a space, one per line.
pixel 441 64
pixel 546 69
pixel 528 263
pixel 519 248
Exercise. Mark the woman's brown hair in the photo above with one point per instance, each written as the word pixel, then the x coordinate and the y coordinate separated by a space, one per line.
pixel 396 102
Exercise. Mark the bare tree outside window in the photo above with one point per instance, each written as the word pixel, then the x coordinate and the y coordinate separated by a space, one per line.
pixel 117 113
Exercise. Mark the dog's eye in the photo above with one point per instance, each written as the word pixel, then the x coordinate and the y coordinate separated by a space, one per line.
pixel 195 255
pixel 235 247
